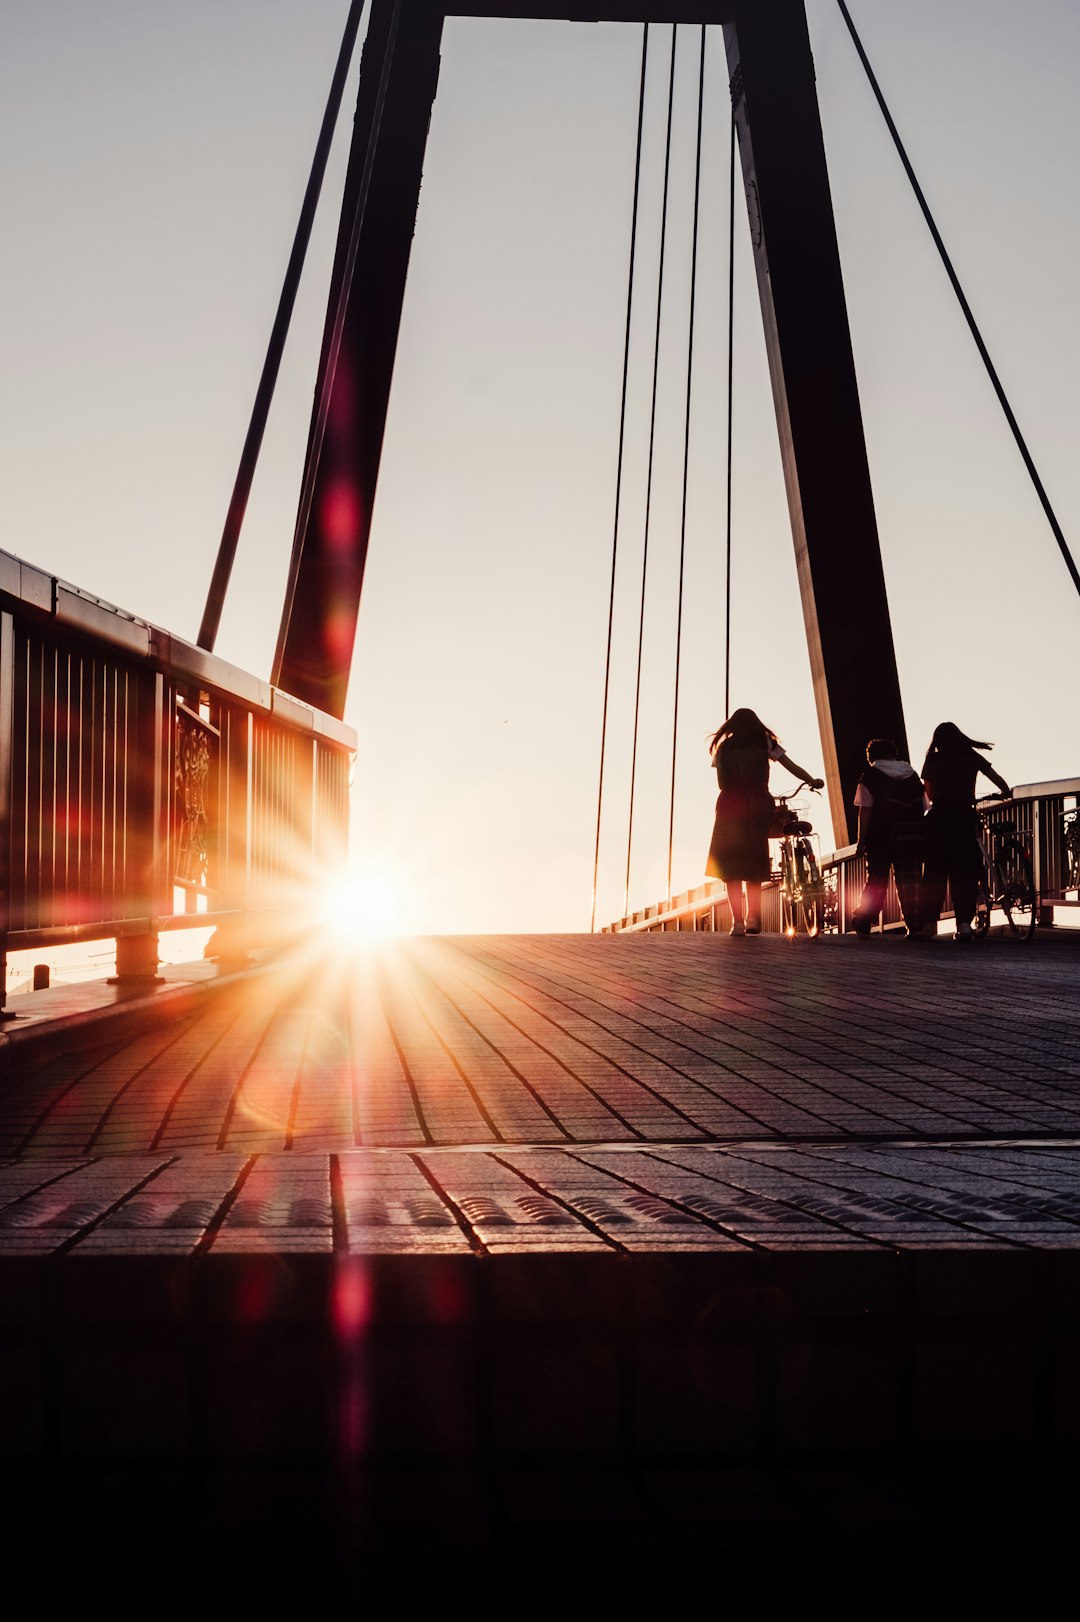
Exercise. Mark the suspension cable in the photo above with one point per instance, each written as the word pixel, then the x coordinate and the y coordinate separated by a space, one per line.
pixel 264 394
pixel 686 457
pixel 619 462
pixel 648 481
pixel 964 305
pixel 730 399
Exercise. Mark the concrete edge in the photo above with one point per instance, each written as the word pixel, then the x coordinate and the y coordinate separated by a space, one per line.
pixel 91 1026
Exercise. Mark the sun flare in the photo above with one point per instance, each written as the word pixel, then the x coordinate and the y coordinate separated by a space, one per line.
pixel 363 906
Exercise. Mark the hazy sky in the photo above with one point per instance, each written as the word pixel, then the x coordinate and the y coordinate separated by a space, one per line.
pixel 153 158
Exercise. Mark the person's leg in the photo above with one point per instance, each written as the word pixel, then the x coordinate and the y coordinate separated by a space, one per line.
pixel 907 866
pixel 753 908
pixel 964 866
pixel 935 873
pixel 873 896
pixel 908 873
pixel 737 903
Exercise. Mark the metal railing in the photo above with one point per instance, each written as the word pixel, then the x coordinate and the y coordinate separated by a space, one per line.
pixel 1042 812
pixel 147 785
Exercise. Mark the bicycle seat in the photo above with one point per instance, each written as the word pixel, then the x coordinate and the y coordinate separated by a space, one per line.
pixel 803 828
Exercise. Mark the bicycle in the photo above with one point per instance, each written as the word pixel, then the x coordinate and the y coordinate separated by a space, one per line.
pixel 1008 879
pixel 802 887
pixel 1071 821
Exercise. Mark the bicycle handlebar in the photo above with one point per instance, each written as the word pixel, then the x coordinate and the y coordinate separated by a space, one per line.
pixel 782 799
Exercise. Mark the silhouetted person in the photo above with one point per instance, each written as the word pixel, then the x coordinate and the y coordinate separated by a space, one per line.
pixel 891 806
pixel 742 751
pixel 951 852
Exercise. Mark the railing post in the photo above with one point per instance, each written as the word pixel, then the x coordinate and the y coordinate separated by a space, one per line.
pixel 1038 865
pixel 234 836
pixel 137 953
pixel 310 753
pixel 7 706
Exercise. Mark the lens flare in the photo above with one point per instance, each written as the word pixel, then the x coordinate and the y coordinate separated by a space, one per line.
pixel 363 906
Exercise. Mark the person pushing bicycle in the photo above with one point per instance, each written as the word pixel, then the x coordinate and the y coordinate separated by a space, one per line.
pixel 890 800
pixel 953 855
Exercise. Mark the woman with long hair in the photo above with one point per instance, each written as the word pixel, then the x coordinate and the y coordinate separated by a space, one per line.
pixel 951 852
pixel 742 751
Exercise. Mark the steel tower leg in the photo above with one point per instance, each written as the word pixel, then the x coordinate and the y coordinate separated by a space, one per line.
pixel 398 77
pixel 801 289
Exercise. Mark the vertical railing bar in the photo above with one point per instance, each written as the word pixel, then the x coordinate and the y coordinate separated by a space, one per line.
pixel 48 770
pixel 160 864
pixel 108 754
pixel 21 744
pixel 66 667
pixel 7 766
pixel 114 792
pixel 249 821
pixel 108 751
pixel 79 819
pixel 39 783
pixel 93 861
pixel 119 765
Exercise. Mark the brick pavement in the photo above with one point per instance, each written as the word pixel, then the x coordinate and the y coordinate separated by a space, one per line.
pixel 659 1092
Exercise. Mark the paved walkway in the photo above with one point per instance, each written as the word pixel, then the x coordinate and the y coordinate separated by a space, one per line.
pixel 530 1244
pixel 665 1092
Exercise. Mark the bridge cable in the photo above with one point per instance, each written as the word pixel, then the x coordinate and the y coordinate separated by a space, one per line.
pixel 965 307
pixel 260 411
pixel 686 455
pixel 730 399
pixel 619 462
pixel 648 481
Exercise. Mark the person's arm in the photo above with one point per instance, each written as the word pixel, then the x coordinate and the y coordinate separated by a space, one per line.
pixel 995 777
pixel 800 771
pixel 864 800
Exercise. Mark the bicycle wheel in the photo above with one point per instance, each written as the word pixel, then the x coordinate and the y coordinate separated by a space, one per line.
pixel 789 920
pixel 809 881
pixel 980 924
pixel 1018 899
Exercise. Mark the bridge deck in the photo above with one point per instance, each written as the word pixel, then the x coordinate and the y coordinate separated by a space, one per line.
pixel 490 1244
pixel 675 1092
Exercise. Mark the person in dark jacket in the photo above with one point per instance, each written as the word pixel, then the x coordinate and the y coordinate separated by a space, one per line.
pixel 952 854
pixel 891 806
pixel 742 751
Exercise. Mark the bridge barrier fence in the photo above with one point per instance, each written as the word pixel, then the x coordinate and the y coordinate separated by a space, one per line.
pixel 147 785
pixel 1046 814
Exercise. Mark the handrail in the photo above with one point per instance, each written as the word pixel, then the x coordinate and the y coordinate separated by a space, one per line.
pixel 146 784
pixel 30 590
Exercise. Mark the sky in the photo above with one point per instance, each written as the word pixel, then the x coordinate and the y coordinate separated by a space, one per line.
pixel 153 159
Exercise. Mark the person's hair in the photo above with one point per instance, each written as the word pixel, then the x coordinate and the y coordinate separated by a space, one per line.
pixel 882 749
pixel 949 740
pixel 742 729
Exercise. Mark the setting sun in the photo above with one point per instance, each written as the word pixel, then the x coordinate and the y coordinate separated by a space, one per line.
pixel 363 905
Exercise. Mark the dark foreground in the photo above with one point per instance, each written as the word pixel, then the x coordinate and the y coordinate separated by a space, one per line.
pixel 662 1242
